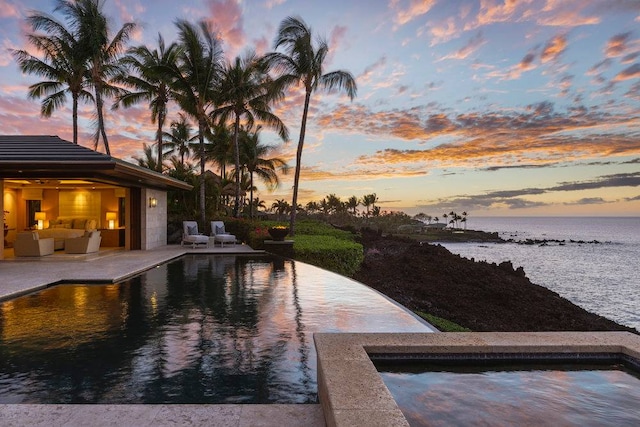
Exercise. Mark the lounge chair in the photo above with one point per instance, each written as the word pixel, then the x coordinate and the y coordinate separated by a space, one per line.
pixel 86 244
pixel 190 235
pixel 219 234
pixel 30 244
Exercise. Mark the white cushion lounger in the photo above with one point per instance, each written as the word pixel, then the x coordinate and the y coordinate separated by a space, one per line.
pixel 191 236
pixel 220 235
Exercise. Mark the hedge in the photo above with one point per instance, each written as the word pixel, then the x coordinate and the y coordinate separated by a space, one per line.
pixel 338 255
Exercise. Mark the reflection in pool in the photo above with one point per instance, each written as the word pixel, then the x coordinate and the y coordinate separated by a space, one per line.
pixel 575 394
pixel 200 329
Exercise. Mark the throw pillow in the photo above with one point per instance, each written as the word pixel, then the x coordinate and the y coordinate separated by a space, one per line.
pixel 192 229
pixel 79 224
pixel 220 229
pixel 91 225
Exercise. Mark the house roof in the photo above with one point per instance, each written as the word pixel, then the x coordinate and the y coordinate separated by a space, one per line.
pixel 42 156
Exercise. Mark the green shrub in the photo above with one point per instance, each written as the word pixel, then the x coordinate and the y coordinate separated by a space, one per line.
pixel 319 228
pixel 443 325
pixel 338 255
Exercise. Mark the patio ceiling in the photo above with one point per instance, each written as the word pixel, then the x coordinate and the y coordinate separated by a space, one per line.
pixel 48 158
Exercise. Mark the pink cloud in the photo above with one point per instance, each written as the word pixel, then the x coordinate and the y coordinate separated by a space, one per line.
pixel 617 45
pixel 8 9
pixel 226 17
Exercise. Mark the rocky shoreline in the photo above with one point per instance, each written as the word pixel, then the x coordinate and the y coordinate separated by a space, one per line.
pixel 478 295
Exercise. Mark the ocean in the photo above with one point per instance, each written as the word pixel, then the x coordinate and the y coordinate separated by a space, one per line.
pixel 599 271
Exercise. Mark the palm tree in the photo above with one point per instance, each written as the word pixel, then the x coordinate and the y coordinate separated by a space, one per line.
pixel 180 137
pixel 92 29
pixel 369 200
pixel 253 158
pixel 280 207
pixel 63 65
pixel 150 84
pixel 149 159
pixel 464 219
pixel 194 80
pixel 352 203
pixel 246 92
pixel 302 63
pixel 313 207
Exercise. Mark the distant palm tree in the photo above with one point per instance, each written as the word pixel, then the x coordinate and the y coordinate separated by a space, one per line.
pixel 194 81
pixel 369 200
pixel 149 159
pixel 63 65
pixel 464 219
pixel 253 157
pixel 103 53
pixel 246 93
pixel 352 203
pixel 313 207
pixel 150 83
pixel 180 138
pixel 280 207
pixel 302 63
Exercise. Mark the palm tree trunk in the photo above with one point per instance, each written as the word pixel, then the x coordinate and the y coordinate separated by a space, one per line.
pixel 296 180
pixel 159 138
pixel 236 154
pixel 251 195
pixel 75 118
pixel 202 127
pixel 101 128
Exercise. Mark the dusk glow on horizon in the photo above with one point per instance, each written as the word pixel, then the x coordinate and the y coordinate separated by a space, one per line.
pixel 513 108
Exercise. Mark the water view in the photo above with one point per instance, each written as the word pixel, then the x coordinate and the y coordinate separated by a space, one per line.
pixel 200 329
pixel 596 267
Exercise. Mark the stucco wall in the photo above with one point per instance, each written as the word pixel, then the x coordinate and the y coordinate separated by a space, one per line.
pixel 154 219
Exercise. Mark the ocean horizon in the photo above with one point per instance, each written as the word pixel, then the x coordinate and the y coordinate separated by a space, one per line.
pixel 593 261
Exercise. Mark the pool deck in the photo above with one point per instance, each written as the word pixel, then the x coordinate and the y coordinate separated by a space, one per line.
pixel 19 276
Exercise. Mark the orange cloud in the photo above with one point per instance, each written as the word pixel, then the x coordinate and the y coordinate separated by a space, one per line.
pixel 554 48
pixel 617 45
pixel 413 10
pixel 465 51
pixel 632 72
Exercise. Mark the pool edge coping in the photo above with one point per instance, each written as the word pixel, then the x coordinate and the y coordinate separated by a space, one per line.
pixel 352 392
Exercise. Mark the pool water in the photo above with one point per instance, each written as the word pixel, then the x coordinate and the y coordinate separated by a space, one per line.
pixel 199 329
pixel 548 395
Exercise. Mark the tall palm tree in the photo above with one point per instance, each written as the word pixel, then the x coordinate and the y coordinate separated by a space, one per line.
pixel 150 84
pixel 302 63
pixel 180 138
pixel 63 65
pixel 253 158
pixel 194 80
pixel 103 54
pixel 246 93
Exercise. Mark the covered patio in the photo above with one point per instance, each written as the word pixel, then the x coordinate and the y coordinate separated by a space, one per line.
pixel 48 182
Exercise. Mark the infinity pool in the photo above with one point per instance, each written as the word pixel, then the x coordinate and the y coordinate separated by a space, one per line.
pixel 199 329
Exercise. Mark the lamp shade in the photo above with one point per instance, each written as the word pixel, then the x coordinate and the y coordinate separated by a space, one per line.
pixel 111 220
pixel 40 217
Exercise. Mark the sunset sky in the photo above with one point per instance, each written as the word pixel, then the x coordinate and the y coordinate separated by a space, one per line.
pixel 527 107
